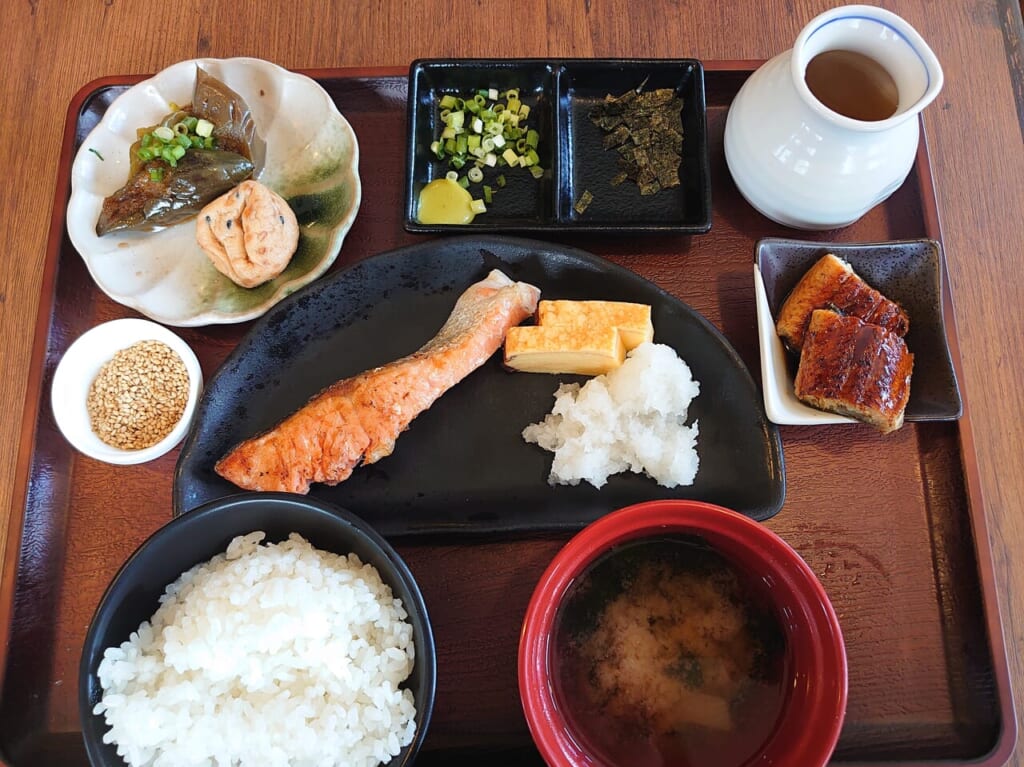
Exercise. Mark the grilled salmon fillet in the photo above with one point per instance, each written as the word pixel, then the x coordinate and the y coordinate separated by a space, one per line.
pixel 854 368
pixel 832 283
pixel 357 420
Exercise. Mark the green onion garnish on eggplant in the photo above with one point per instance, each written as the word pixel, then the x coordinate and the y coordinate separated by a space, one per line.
pixel 193 156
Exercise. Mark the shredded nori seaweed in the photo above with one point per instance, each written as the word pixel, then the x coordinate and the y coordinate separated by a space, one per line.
pixel 583 202
pixel 646 129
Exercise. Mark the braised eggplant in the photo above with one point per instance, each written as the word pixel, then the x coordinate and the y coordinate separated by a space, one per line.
pixel 144 204
pixel 159 194
pixel 233 123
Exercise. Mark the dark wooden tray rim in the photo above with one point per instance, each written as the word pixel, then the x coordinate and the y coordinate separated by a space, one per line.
pixel 36 400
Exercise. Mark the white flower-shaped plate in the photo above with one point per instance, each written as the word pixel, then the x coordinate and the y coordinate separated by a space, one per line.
pixel 312 160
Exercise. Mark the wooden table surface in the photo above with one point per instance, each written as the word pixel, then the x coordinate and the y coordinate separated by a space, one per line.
pixel 974 133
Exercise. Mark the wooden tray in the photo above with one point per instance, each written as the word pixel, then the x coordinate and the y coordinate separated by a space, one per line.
pixel 893 526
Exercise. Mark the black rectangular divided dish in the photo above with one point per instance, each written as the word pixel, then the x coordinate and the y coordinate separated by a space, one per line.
pixel 561 95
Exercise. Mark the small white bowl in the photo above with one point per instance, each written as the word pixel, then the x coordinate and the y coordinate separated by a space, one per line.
pixel 79 367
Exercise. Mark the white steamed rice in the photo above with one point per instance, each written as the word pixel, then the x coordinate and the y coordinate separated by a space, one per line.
pixel 265 655
pixel 631 419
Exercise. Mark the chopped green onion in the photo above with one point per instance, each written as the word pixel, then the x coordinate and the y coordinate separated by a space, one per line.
pixel 485 129
pixel 478 206
pixel 156 175
pixel 170 143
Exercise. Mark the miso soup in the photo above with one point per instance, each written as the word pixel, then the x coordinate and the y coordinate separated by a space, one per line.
pixel 666 654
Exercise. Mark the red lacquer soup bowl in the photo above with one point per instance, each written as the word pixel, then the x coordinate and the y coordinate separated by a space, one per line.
pixel 681 633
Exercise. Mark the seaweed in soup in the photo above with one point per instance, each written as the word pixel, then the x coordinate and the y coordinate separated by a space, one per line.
pixel 664 655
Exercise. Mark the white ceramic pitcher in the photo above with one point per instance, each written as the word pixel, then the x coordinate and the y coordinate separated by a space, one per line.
pixel 802 164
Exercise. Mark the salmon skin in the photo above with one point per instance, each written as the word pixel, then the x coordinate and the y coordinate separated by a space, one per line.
pixel 357 420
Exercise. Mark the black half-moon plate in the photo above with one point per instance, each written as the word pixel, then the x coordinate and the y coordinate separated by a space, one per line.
pixel 463 466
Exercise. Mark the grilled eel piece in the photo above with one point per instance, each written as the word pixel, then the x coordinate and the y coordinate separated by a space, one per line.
pixel 357 420
pixel 832 283
pixel 854 368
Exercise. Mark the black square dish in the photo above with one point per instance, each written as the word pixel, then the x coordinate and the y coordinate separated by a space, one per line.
pixel 562 94
pixel 910 272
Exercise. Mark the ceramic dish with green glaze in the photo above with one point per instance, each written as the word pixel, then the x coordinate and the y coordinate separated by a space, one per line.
pixel 312 160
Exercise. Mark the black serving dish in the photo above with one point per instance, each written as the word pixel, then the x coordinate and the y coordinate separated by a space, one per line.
pixel 561 94
pixel 909 272
pixel 134 594
pixel 462 467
